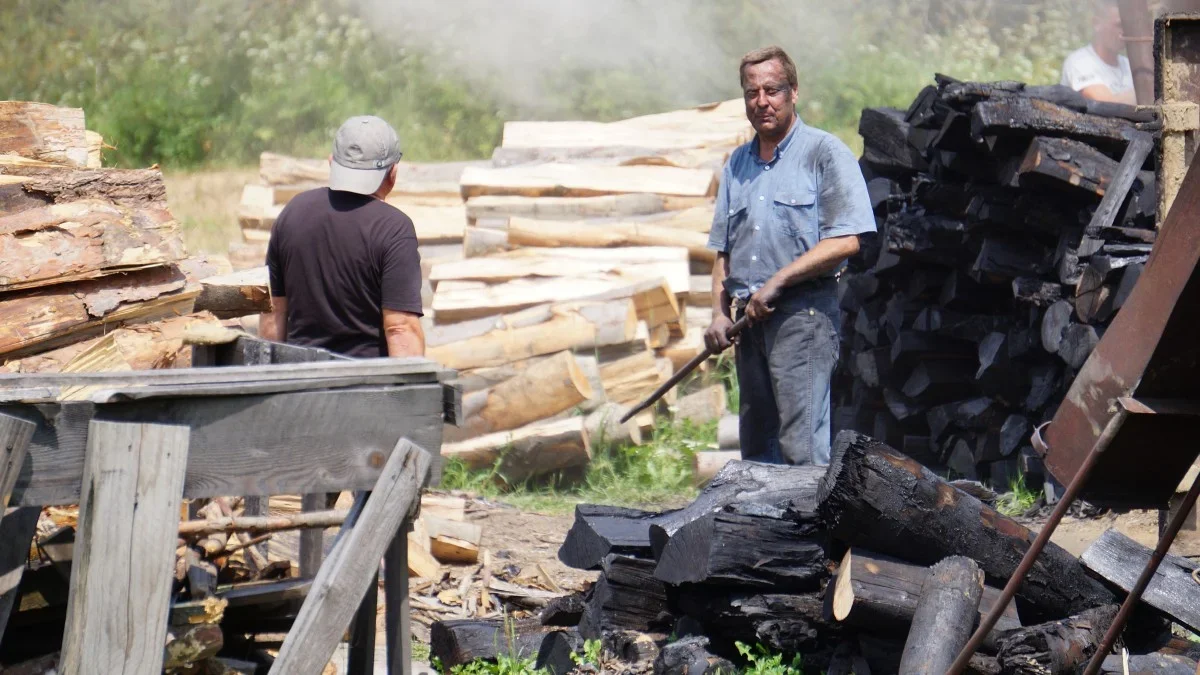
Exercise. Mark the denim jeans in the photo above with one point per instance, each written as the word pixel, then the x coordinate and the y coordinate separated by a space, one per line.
pixel 784 366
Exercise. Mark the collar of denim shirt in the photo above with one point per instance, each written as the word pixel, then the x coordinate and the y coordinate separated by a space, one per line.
pixel 780 149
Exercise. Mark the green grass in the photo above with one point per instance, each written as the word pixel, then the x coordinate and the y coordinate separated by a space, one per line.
pixel 657 473
pixel 763 661
pixel 420 651
pixel 1019 499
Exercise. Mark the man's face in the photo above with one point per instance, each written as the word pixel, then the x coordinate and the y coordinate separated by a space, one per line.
pixel 1107 27
pixel 770 101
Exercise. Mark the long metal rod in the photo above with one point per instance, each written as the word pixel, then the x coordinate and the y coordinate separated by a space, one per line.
pixel 683 372
pixel 1135 594
pixel 1035 549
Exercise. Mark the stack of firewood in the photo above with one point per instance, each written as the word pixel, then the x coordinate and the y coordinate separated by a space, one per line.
pixel 568 275
pixel 872 565
pixel 995 271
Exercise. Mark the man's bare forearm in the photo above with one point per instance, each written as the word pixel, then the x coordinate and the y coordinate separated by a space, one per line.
pixel 720 298
pixel 405 344
pixel 820 260
pixel 273 326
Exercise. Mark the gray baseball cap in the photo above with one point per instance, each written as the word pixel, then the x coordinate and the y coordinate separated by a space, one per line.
pixel 364 149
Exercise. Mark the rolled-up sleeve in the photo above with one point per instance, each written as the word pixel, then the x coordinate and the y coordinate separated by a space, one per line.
pixel 718 236
pixel 843 205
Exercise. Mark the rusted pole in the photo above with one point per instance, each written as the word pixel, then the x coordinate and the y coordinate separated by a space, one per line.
pixel 1135 594
pixel 1137 25
pixel 1035 549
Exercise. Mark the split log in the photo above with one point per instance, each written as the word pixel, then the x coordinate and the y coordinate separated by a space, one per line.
pixel 1054 325
pixel 603 426
pixel 1057 647
pixel 543 390
pixel 460 641
pixel 47 318
pixel 707 405
pixel 1149 664
pixel 82 240
pixel 1052 162
pixel 1036 292
pixel 607 234
pixel 481 241
pixel 626 597
pixel 748 546
pixel 567 180
pixel 700 292
pixel 600 531
pixel 187 645
pixel 717 124
pixel 563 208
pixel 555 652
pixel 885 135
pixel 790 623
pixel 232 295
pixel 452 541
pixel 706 465
pixel 538 331
pixel 566 610
pixel 43 132
pixel 147 346
pixel 690 656
pixel 630 380
pixel 36 187
pixel 1021 115
pixel 412 178
pixel 728 432
pixel 456 301
pixel 873 496
pixel 533 450
pixel 1173 591
pixel 634 263
pixel 879 594
pixel 944 617
pixel 1078 342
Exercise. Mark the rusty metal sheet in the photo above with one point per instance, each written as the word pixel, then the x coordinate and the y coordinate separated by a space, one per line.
pixel 1151 351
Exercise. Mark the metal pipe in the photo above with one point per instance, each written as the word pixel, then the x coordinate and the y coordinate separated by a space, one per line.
pixel 1135 594
pixel 1137 26
pixel 1039 543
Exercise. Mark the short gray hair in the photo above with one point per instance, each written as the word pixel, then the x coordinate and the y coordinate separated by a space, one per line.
pixel 765 54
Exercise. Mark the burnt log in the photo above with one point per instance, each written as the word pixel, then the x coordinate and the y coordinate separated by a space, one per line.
pixel 1056 647
pixel 879 594
pixel 874 496
pixel 626 597
pixel 790 623
pixel 885 142
pixel 1005 257
pixel 557 648
pixel 740 482
pixel 565 610
pixel 1149 664
pixel 1129 278
pixel 1022 116
pixel 1078 342
pixel 1057 163
pixel 939 380
pixel 599 531
pixel 1036 292
pixel 945 616
pixel 748 545
pixel 460 641
pixel 1014 433
pixel 1173 591
pixel 690 656
pixel 976 413
pixel 1055 322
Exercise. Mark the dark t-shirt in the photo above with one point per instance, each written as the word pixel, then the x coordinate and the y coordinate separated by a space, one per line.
pixel 340 259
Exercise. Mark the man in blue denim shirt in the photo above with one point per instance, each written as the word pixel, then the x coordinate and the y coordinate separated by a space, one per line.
pixel 791 205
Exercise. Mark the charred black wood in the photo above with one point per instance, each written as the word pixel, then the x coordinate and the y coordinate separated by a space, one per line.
pixel 1055 322
pixel 1078 342
pixel 555 652
pixel 940 380
pixel 460 641
pixel 873 496
pixel 1011 258
pixel 790 623
pixel 945 616
pixel 690 656
pixel 1129 278
pixel 599 531
pixel 1174 592
pixel 626 597
pixel 564 611
pixel 1022 116
pixel 1014 433
pixel 1057 647
pixel 1036 292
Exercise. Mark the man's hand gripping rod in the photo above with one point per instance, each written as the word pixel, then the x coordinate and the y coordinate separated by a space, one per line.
pixel 683 372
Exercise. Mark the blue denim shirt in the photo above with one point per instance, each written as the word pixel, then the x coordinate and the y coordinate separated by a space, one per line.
pixel 770 213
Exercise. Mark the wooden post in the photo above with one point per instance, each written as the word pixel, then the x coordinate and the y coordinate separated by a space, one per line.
pixel 398 604
pixel 15 435
pixel 18 525
pixel 362 633
pixel 1138 26
pixel 125 549
pixel 257 506
pixel 946 613
pixel 312 542
pixel 353 563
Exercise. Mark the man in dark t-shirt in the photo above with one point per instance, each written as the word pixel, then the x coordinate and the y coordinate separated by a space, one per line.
pixel 344 269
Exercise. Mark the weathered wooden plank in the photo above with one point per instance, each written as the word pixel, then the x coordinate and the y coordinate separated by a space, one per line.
pixel 569 180
pixel 1173 590
pixel 125 549
pixel 17 529
pixel 398 605
pixel 15 436
pixel 353 564
pixel 244 445
pixel 43 132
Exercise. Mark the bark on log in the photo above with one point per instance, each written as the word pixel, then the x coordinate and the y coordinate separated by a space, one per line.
pixel 262 524
pixel 43 132
pixel 1057 647
pixel 690 656
pixel 534 450
pixel 566 180
pixel 545 389
pixel 874 496
pixel 538 331
pixel 62 243
pixel 945 616
pixel 242 293
pixel 1173 591
pixel 879 594
pixel 790 623
pixel 188 645
pixel 707 405
pixel 627 597
pixel 461 641
pixel 35 187
pixel 748 546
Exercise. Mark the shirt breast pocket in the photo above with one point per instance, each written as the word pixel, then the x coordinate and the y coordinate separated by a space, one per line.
pixel 796 212
pixel 739 208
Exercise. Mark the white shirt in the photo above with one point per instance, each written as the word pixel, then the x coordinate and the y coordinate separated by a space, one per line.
pixel 1084 68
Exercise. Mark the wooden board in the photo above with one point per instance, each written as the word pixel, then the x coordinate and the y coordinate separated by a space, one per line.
pixel 562 208
pixel 1173 590
pixel 83 240
pixel 43 132
pixel 238 294
pixel 568 180
pixel 549 233
pixel 636 263
pixel 713 124
pixel 456 301
pixel 412 177
pixel 121 578
pixel 353 564
pixel 244 445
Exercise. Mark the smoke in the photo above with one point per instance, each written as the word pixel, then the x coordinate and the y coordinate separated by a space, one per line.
pixel 530 54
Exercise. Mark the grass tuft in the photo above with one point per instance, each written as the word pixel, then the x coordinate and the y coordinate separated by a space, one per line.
pixel 1019 499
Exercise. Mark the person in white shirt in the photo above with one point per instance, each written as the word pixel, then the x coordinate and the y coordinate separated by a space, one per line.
pixel 1099 71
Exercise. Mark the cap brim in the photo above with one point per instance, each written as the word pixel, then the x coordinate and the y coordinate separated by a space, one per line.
pixel 360 181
